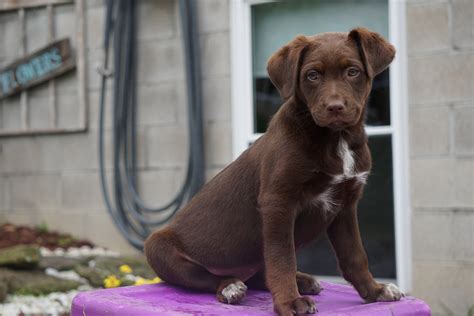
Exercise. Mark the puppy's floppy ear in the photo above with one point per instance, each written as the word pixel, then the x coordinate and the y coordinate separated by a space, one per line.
pixel 284 66
pixel 375 51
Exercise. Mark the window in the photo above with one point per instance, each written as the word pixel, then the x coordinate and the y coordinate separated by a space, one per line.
pixel 258 29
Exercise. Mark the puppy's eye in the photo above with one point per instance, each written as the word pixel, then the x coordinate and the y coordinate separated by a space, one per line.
pixel 313 75
pixel 353 72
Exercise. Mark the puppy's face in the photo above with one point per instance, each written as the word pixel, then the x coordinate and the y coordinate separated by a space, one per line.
pixel 331 73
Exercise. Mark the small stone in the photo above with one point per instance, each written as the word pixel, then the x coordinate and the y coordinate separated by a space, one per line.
pixel 58 252
pixel 22 256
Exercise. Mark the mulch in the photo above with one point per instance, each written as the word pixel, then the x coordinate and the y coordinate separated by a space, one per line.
pixel 12 235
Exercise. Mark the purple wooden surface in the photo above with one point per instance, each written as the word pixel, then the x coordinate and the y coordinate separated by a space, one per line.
pixel 162 299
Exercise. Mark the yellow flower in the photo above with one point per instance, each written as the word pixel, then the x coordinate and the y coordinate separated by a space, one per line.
pixel 141 281
pixel 124 268
pixel 111 281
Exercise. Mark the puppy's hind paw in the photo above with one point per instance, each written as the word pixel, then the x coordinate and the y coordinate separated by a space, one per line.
pixel 390 292
pixel 301 305
pixel 233 293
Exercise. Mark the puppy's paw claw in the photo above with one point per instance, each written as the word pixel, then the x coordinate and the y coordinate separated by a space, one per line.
pixel 390 292
pixel 233 293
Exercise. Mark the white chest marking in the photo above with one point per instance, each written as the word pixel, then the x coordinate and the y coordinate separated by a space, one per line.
pixel 347 157
pixel 325 200
pixel 348 162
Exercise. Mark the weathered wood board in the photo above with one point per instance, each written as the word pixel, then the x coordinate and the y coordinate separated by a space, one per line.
pixel 43 65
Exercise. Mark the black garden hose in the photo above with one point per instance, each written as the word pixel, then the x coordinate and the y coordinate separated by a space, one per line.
pixel 130 213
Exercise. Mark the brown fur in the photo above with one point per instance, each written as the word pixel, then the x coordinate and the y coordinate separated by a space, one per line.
pixel 249 220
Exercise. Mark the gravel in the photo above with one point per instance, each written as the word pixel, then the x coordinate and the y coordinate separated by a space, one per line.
pixel 53 304
pixel 83 251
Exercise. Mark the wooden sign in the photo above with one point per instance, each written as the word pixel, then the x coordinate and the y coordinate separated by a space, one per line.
pixel 38 67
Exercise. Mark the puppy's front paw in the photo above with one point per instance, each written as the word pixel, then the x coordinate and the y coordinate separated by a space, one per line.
pixel 390 292
pixel 233 293
pixel 301 305
pixel 308 284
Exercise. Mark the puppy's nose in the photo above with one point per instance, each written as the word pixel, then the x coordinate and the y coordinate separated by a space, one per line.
pixel 335 107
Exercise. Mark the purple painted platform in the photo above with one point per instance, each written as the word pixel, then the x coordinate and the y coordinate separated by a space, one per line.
pixel 162 299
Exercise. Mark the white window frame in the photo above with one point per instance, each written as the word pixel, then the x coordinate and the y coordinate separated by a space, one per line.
pixel 243 116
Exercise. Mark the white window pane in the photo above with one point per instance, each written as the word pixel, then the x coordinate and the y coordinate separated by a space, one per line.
pixel 275 23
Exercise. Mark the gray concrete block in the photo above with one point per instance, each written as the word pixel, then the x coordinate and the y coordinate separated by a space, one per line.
pixel 427 27
pixel 436 225
pixel 215 54
pixel 156 19
pixel 10 26
pixel 65 22
pixel 464 175
pixel 36 21
pixel 81 192
pixel 442 182
pixel 463 236
pixel 11 114
pixel 94 4
pixel 3 196
pixel 450 235
pixel 80 151
pixel 34 192
pixel 441 78
pixel 40 91
pixel 429 131
pixel 213 15
pixel 95 26
pixel 167 146
pixel 20 155
pixel 50 156
pixel 160 61
pixel 66 84
pixel 444 285
pixel 39 115
pixel 218 144
pixel 464 130
pixel 19 217
pixel 157 104
pixel 68 113
pixel 433 182
pixel 462 23
pixel 72 223
pixel 216 99
pixel 101 230
pixel 157 187
pixel 1 159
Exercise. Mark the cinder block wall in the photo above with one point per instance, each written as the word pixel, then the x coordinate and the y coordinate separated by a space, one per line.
pixel 54 179
pixel 441 107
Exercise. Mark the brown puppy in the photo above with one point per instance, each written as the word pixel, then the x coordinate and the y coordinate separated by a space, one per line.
pixel 303 178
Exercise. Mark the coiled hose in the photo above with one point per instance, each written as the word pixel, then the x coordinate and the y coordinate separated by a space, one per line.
pixel 131 215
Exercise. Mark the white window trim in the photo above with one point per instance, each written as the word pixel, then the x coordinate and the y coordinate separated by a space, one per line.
pixel 242 116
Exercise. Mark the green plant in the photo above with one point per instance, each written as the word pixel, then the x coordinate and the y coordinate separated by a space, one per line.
pixel 42 228
pixel 65 241
pixel 470 312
